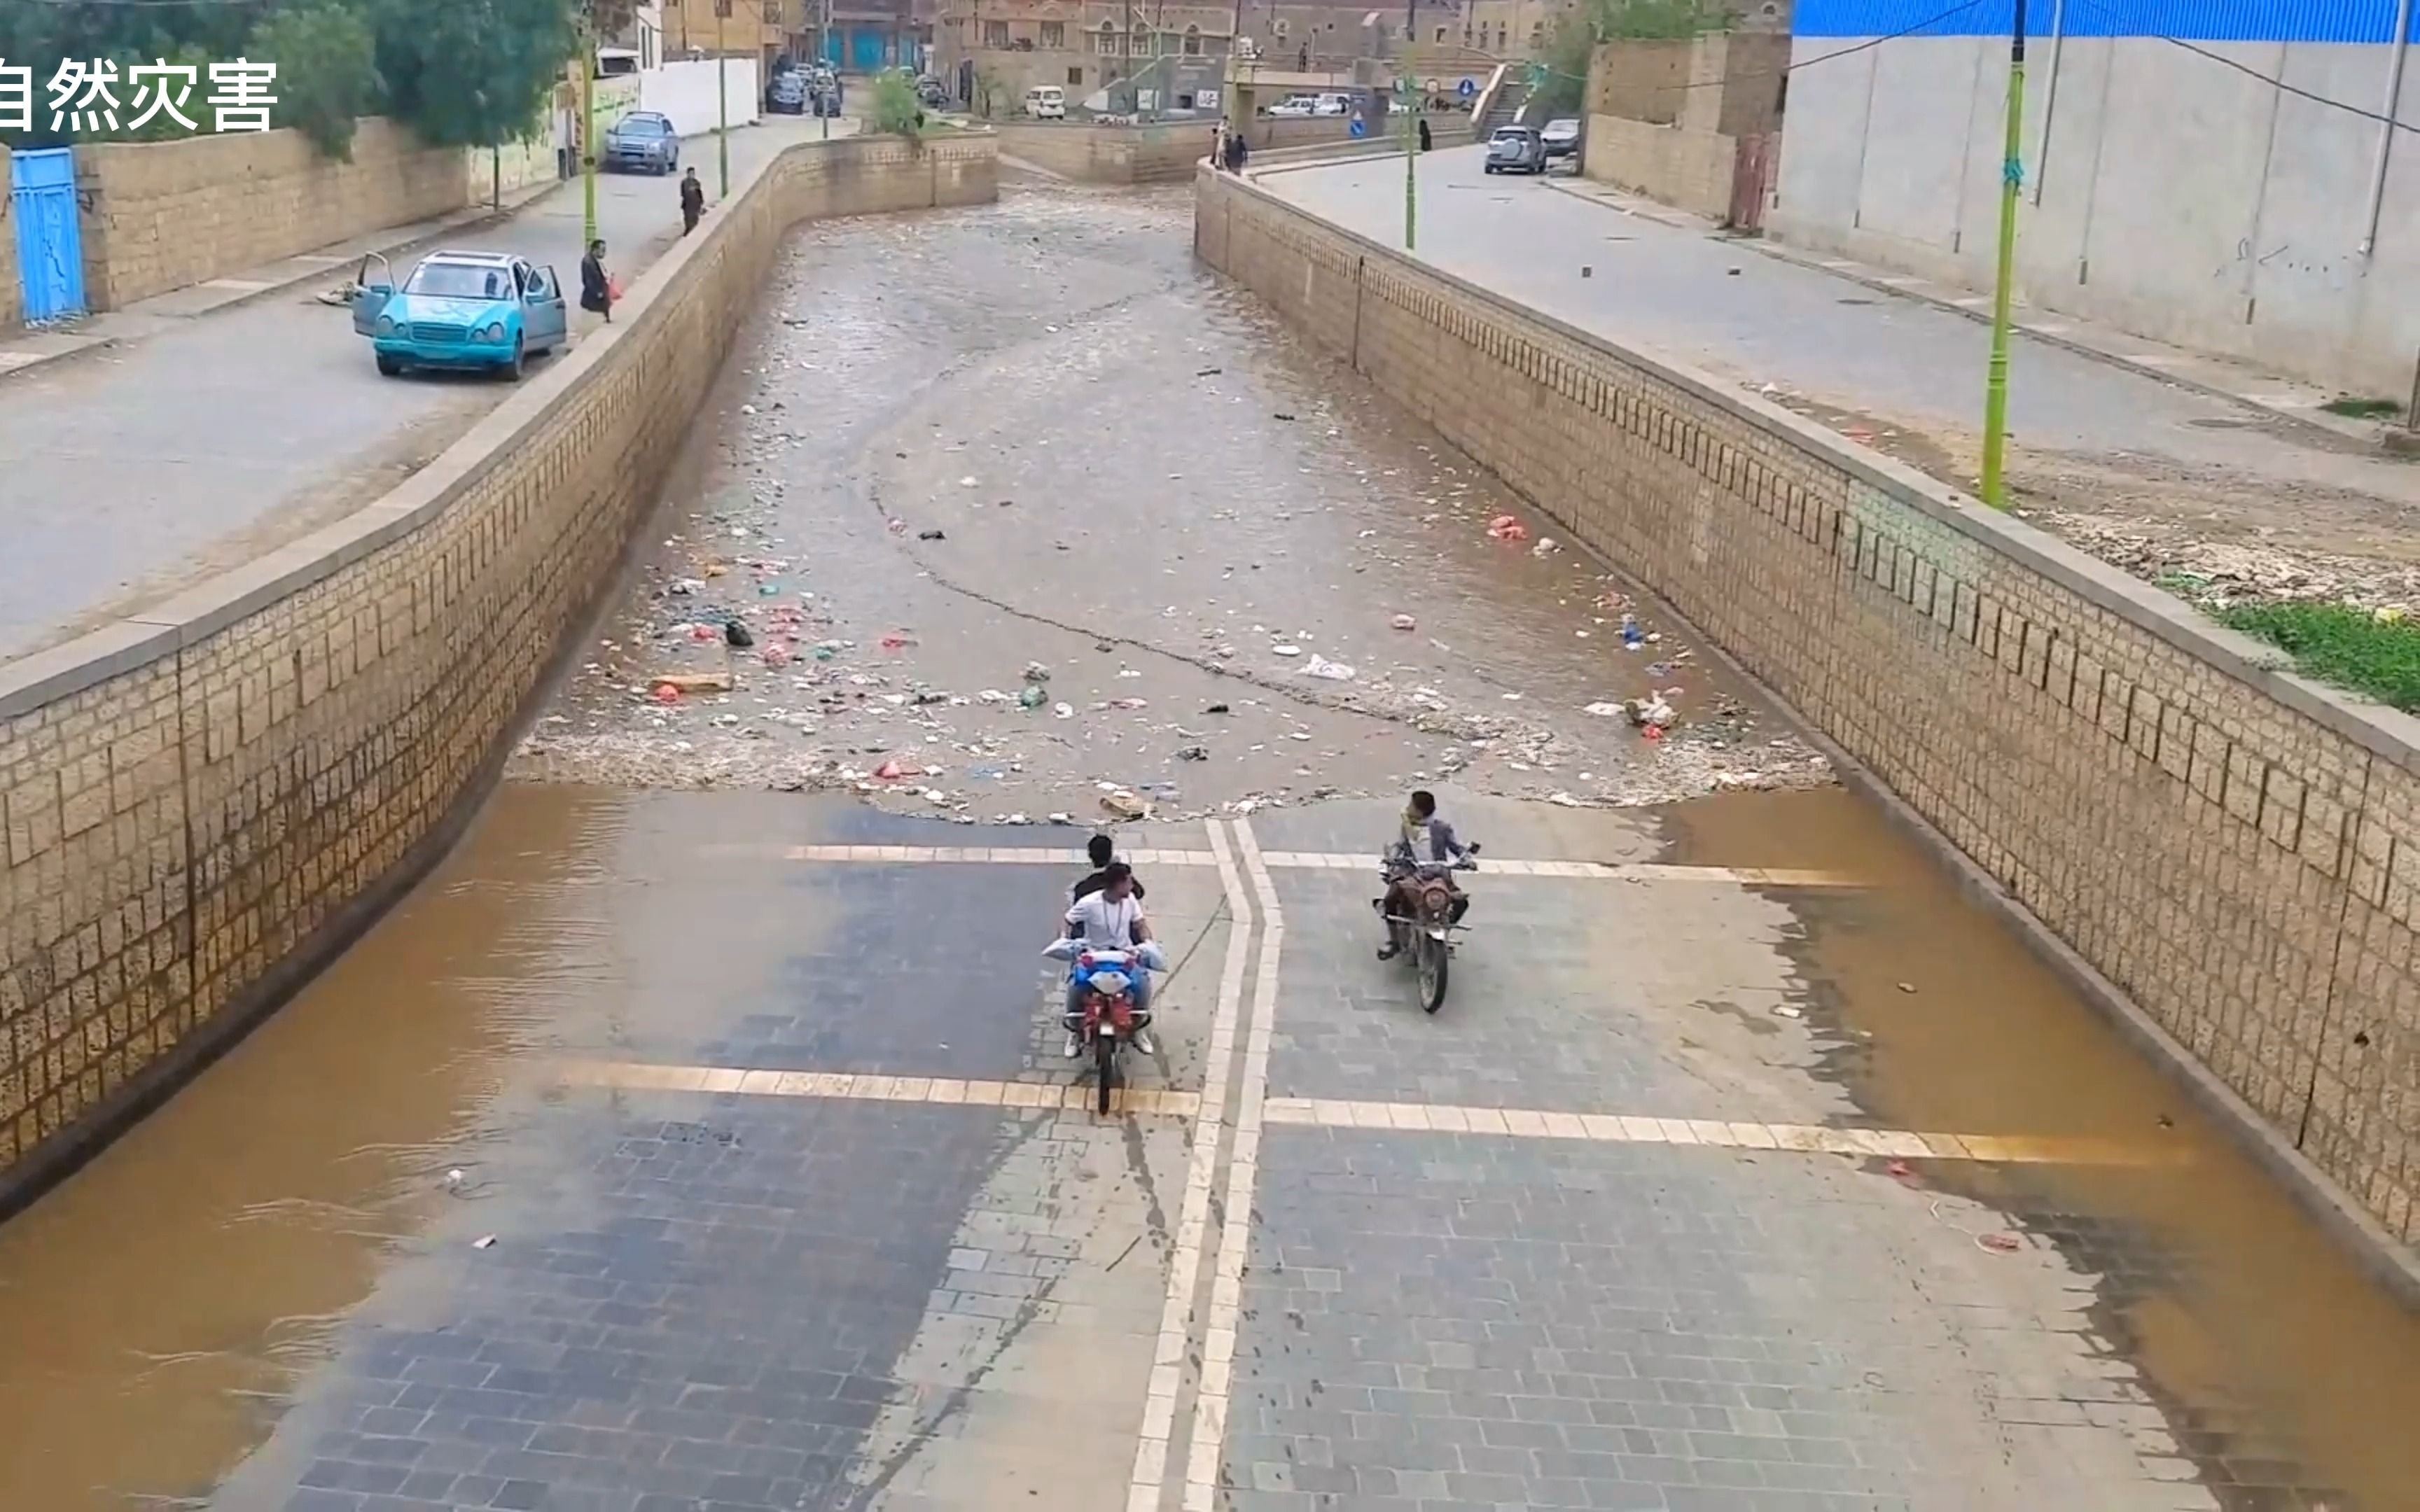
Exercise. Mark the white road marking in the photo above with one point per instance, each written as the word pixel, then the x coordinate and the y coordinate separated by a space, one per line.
pixel 1211 1400
pixel 1633 1129
pixel 1144 1491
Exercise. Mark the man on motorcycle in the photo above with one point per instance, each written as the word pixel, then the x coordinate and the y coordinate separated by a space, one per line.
pixel 1425 846
pixel 1112 919
pixel 1101 849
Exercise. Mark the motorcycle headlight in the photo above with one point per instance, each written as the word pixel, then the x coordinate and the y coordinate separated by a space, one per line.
pixel 386 325
pixel 495 331
pixel 1110 984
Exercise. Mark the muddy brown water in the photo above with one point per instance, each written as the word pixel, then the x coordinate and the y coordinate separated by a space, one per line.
pixel 2292 1379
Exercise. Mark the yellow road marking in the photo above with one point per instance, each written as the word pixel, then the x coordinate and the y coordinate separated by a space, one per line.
pixel 1305 861
pixel 1894 1144
pixel 1162 1101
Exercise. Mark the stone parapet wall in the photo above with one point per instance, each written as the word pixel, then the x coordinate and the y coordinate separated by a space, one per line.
pixel 164 215
pixel 12 291
pixel 2230 851
pixel 200 803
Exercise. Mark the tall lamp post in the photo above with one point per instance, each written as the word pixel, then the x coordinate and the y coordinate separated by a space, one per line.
pixel 587 130
pixel 2013 174
pixel 1409 96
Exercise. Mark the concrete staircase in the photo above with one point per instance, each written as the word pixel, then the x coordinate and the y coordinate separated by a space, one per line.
pixel 1503 102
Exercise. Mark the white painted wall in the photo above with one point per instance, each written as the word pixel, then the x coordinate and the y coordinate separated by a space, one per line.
pixel 685 92
pixel 2180 198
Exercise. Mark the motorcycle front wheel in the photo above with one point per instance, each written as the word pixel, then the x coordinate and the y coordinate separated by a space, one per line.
pixel 1430 965
pixel 1105 1066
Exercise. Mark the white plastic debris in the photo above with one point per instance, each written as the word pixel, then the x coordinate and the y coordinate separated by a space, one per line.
pixel 1335 671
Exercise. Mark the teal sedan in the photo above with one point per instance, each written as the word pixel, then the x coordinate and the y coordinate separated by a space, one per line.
pixel 480 311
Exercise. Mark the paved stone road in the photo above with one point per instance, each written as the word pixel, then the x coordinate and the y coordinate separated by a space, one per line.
pixel 1678 291
pixel 132 471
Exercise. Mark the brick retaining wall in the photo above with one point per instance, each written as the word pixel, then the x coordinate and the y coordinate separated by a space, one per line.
pixel 12 291
pixel 199 804
pixel 2233 850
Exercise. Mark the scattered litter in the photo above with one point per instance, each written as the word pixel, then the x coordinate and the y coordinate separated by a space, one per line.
pixel 484 1241
pixel 1632 636
pixel 1507 527
pixel 1566 800
pixel 770 588
pixel 1125 805
pixel 1901 1169
pixel 1286 649
pixel 967 482
pixel 1907 986
pixel 454 1177
pixel 776 655
pixel 1031 696
pixel 1216 708
pixel 1785 1010
pixel 2005 1244
pixel 1335 671
pixel 1606 711
pixel 1063 711
pixel 1548 545
pixel 931 535
pixel 1036 672
pixel 897 639
pixel 1404 622
pixel 695 682
pixel 1279 415
pixel 736 635
pixel 1650 714
pixel 1192 753
pixel 1210 372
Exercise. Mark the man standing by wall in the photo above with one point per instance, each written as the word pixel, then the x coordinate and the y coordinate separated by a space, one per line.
pixel 692 201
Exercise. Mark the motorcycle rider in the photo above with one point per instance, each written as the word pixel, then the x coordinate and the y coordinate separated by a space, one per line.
pixel 1101 849
pixel 1424 846
pixel 1112 919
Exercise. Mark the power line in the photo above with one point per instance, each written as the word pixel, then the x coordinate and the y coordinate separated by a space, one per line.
pixel 1717 82
pixel 2273 83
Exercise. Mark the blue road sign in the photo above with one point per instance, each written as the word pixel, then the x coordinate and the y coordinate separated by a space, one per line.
pixel 1467 88
pixel 1360 128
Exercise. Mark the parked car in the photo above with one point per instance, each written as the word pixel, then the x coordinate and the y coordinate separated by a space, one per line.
pixel 788 94
pixel 460 310
pixel 932 92
pixel 1295 105
pixel 1047 103
pixel 1516 149
pixel 1562 139
pixel 1332 105
pixel 642 141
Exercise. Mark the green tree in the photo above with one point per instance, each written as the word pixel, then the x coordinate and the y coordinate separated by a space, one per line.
pixel 897 112
pixel 327 71
pixel 1583 26
pixel 473 73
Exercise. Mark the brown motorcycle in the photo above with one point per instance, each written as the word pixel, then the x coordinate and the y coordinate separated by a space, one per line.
pixel 1425 935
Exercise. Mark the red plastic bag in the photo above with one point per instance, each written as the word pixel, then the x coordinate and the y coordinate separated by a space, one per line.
pixel 613 289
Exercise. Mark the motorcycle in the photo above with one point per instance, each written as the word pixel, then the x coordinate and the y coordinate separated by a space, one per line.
pixel 1107 1021
pixel 1425 937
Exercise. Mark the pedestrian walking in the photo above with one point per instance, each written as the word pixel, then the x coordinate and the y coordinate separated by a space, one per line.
pixel 692 197
pixel 563 164
pixel 1424 134
pixel 595 288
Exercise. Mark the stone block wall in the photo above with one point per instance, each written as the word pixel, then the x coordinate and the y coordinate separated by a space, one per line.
pixel 2235 851
pixel 12 290
pixel 199 803
pixel 1671 165
pixel 163 215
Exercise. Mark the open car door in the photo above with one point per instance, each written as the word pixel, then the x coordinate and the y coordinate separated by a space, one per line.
pixel 373 285
pixel 544 318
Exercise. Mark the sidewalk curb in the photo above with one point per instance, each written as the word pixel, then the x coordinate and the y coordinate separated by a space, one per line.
pixel 1856 273
pixel 479 218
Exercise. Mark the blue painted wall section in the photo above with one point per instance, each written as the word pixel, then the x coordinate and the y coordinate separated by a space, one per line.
pixel 2196 21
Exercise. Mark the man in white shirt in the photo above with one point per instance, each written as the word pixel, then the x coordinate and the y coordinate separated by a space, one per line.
pixel 1112 919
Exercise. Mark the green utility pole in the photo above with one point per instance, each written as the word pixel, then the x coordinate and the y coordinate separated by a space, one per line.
pixel 2012 175
pixel 721 99
pixel 587 137
pixel 1404 97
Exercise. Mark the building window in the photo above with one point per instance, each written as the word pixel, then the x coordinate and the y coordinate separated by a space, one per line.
pixel 1054 35
pixel 1105 42
pixel 1076 78
pixel 995 34
pixel 1440 35
pixel 723 7
pixel 1192 42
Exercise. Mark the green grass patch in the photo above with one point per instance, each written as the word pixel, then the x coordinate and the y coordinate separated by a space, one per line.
pixel 2354 408
pixel 2340 644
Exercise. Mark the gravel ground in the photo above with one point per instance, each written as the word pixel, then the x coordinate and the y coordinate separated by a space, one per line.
pixel 1022 518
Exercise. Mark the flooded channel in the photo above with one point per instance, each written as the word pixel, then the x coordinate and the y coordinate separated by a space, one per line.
pixel 1156 475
